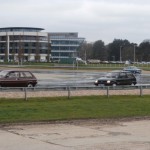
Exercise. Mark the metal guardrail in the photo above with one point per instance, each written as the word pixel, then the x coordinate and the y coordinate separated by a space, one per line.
pixel 73 88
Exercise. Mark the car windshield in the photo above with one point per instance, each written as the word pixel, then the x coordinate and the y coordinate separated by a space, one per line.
pixel 131 67
pixel 112 75
pixel 3 73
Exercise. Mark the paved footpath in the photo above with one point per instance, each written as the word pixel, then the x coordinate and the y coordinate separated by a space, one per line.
pixel 78 135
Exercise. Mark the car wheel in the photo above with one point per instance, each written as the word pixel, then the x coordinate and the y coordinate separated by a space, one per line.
pixel 114 84
pixel 30 85
pixel 132 84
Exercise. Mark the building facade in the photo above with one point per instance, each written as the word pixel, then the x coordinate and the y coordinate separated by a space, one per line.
pixel 65 46
pixel 22 44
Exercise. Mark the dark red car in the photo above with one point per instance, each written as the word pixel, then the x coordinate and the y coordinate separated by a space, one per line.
pixel 17 78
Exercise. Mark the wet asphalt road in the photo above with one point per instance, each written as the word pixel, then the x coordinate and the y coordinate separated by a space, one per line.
pixel 77 78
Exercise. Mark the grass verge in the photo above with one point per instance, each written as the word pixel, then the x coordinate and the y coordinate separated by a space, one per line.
pixel 60 108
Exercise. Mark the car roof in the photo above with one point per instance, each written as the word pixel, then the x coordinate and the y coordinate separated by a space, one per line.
pixel 131 67
pixel 118 71
pixel 15 70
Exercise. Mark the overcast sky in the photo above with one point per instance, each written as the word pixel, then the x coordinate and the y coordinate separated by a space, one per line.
pixel 93 19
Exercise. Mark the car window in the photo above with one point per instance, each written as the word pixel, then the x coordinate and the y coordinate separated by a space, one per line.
pixel 3 73
pixel 13 75
pixel 130 75
pixel 122 75
pixel 27 74
pixel 112 75
pixel 22 75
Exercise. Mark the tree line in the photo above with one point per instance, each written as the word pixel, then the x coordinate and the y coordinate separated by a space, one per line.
pixel 118 50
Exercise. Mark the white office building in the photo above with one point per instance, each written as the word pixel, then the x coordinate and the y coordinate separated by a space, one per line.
pixel 32 44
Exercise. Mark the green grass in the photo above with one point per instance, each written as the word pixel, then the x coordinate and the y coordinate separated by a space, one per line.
pixel 60 108
pixel 45 65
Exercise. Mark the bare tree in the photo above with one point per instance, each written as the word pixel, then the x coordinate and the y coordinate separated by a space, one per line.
pixel 29 50
pixel 13 48
pixel 48 49
pixel 20 49
pixel 37 51
pixel 99 50
pixel 85 50
pixel 6 49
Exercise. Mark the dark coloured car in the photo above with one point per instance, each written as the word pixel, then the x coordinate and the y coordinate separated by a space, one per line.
pixel 133 69
pixel 17 78
pixel 117 78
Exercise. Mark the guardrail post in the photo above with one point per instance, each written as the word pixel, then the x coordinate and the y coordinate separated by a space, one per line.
pixel 108 92
pixel 69 92
pixel 25 91
pixel 141 91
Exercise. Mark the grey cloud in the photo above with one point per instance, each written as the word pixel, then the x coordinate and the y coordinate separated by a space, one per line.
pixel 93 19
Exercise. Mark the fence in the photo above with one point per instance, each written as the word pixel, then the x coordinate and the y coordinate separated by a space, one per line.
pixel 68 91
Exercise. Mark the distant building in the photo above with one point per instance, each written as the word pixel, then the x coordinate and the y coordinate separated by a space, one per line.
pixel 30 44
pixel 23 44
pixel 64 46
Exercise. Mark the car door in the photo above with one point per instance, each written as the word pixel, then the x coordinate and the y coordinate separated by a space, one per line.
pixel 123 79
pixel 11 79
pixel 23 79
pixel 131 78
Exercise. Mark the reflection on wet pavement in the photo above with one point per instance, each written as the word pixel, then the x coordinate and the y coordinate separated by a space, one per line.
pixel 77 77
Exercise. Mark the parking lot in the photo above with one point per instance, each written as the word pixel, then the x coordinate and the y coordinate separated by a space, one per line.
pixel 76 77
pixel 58 78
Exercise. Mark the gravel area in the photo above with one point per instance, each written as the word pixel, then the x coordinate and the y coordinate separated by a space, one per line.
pixel 21 94
pixel 78 135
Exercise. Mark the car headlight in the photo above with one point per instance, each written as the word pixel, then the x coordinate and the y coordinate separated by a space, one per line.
pixel 96 81
pixel 108 81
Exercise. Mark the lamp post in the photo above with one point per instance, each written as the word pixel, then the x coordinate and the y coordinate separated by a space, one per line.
pixel 134 53
pixel 120 54
pixel 85 55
